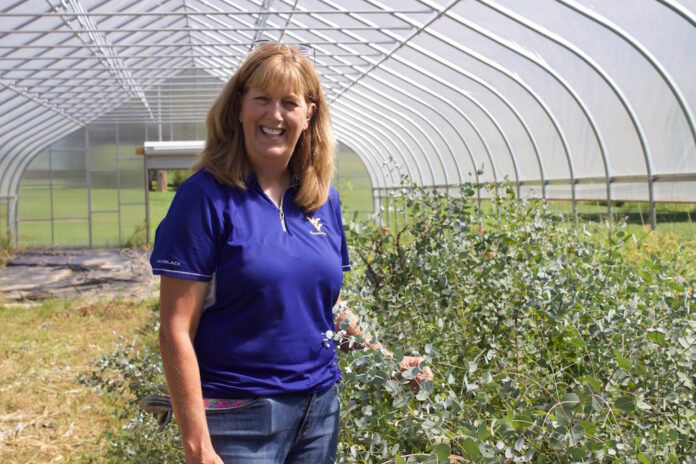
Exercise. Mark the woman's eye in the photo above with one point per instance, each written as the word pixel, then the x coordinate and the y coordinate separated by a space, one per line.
pixel 261 98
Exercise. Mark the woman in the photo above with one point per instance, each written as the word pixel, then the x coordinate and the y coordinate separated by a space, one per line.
pixel 251 255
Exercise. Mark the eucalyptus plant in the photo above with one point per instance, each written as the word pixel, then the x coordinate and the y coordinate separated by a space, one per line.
pixel 549 344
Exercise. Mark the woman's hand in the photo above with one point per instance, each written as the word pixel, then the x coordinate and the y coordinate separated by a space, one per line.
pixel 206 456
pixel 409 362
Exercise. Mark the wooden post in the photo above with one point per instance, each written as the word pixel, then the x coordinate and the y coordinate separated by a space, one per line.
pixel 161 180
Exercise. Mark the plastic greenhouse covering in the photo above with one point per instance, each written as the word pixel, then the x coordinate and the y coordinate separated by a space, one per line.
pixel 569 100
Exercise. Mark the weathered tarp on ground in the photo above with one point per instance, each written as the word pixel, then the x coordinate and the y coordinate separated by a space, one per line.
pixel 89 274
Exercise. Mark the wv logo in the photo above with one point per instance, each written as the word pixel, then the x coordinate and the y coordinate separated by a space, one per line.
pixel 316 222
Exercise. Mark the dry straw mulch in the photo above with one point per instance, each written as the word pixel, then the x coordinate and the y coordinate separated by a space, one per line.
pixel 45 414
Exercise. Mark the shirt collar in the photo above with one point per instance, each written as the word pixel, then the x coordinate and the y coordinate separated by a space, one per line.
pixel 253 181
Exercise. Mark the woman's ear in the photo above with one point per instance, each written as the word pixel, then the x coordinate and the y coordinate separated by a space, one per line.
pixel 311 108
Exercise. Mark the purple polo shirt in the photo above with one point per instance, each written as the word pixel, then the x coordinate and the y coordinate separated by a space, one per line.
pixel 275 275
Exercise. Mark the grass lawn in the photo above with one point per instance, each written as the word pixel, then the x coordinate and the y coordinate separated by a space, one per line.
pixel 45 414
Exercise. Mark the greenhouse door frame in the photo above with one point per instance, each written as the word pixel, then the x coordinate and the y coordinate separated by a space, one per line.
pixel 157 161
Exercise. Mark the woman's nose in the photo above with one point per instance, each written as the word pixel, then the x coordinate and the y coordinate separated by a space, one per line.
pixel 275 110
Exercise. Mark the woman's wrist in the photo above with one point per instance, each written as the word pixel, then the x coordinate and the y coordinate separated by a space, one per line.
pixel 197 450
pixel 378 347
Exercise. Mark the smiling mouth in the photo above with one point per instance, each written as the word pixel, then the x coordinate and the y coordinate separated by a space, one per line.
pixel 271 131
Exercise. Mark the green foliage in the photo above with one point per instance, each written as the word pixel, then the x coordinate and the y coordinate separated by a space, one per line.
pixel 137 239
pixel 7 249
pixel 175 177
pixel 547 345
pixel 129 373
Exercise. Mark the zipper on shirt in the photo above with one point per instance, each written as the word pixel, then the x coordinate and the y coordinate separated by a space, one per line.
pixel 282 216
pixel 280 210
pixel 281 213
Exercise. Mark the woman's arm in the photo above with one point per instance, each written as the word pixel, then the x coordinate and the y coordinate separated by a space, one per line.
pixel 181 306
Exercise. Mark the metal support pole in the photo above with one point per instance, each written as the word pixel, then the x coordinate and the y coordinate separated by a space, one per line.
pixel 7 217
pixel 89 186
pixel 13 209
pixel 653 212
pixel 118 185
pixel 9 235
pixel 610 201
pixel 50 193
pixel 159 112
pixel 147 201
pixel 575 204
pixel 396 212
pixel 171 122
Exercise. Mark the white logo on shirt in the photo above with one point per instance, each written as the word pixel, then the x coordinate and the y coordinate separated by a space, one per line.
pixel 166 261
pixel 317 225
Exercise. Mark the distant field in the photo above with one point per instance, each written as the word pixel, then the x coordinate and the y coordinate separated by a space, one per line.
pixel 672 218
pixel 677 219
pixel 70 209
pixel 71 226
pixel 353 185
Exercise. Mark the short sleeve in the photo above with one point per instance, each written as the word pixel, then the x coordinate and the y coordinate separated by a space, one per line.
pixel 186 241
pixel 345 260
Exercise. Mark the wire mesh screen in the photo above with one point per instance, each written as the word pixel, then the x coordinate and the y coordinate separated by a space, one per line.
pixel 86 190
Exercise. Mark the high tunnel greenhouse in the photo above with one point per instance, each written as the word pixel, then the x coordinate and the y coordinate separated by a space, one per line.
pixel 566 100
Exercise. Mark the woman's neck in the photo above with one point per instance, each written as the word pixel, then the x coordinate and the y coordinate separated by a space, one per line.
pixel 274 183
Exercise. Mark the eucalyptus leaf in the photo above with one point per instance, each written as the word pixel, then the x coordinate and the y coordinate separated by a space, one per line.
pixel 422 395
pixel 657 336
pixel 443 452
pixel 622 362
pixel 471 449
pixel 481 431
pixel 625 403
pixel 570 401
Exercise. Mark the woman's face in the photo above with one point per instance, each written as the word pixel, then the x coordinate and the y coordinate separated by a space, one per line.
pixel 273 120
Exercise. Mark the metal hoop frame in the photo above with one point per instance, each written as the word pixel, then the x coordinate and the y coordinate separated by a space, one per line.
pixel 436 121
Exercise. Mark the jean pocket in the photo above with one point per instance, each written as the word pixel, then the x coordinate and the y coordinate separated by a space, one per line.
pixel 232 405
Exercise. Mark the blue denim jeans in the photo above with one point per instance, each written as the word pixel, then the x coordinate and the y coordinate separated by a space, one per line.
pixel 282 429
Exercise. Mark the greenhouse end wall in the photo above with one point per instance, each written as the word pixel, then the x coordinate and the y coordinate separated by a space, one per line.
pixel 88 189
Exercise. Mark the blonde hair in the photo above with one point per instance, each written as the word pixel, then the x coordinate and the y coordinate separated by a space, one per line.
pixel 312 161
